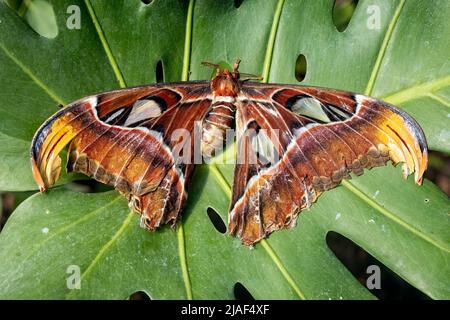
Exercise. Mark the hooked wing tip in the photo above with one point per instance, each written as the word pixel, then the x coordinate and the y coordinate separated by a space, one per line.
pixel 422 166
pixel 409 144
pixel 47 143
pixel 37 176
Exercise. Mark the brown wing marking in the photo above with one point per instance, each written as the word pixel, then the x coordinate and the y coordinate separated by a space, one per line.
pixel 122 138
pixel 351 132
pixel 256 208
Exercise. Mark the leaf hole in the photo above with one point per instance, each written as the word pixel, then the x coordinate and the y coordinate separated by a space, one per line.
pixel 146 2
pixel 159 72
pixel 426 200
pixel 216 220
pixel 343 12
pixel 241 293
pixel 300 68
pixel 358 262
pixel 140 295
pixel 237 3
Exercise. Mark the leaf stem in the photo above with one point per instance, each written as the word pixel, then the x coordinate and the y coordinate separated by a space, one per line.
pixel 187 42
pixel 271 42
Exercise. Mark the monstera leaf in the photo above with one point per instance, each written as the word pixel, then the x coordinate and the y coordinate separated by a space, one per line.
pixel 393 50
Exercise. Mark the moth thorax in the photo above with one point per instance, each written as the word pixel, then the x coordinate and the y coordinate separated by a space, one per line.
pixel 225 84
pixel 217 122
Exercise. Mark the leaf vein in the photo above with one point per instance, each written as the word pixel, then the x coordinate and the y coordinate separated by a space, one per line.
pixel 30 74
pixel 439 99
pixel 391 215
pixel 105 44
pixel 271 41
pixel 184 77
pixel 417 91
pixel 63 229
pixel 269 250
pixel 382 51
pixel 106 247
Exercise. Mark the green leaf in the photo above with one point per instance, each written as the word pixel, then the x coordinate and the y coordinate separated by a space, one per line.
pixel 120 43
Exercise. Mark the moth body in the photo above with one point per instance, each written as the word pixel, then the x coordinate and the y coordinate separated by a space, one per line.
pixel 224 87
pixel 215 125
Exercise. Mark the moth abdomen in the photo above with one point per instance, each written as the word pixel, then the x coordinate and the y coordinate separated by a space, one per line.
pixel 219 119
